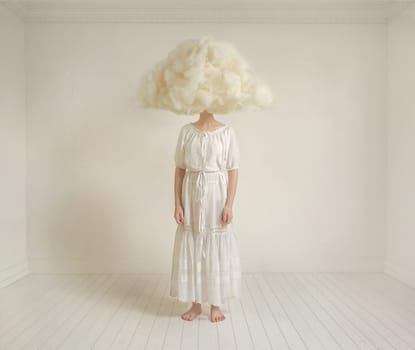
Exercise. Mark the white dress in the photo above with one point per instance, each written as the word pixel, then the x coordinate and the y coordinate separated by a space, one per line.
pixel 206 263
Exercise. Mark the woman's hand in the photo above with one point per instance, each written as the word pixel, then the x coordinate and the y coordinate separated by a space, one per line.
pixel 178 214
pixel 227 214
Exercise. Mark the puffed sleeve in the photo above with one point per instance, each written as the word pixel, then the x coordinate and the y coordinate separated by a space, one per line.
pixel 179 153
pixel 233 156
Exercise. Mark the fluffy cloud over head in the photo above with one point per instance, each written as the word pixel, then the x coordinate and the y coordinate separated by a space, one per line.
pixel 204 74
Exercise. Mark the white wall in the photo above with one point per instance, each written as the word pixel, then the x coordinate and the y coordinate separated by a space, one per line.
pixel 13 261
pixel 311 192
pixel 400 259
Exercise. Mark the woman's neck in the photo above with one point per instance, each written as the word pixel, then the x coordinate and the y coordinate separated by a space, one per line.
pixel 206 119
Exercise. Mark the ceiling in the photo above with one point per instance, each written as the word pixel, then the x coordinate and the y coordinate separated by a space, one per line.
pixel 234 11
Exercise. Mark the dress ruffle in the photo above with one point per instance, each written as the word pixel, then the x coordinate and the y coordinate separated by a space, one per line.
pixel 206 266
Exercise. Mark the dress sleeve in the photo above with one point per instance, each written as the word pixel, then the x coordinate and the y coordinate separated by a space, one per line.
pixel 179 153
pixel 233 156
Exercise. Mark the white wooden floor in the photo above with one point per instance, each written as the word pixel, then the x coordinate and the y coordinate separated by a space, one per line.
pixel 276 311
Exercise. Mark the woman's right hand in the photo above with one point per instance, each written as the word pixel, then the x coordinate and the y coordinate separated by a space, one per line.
pixel 178 214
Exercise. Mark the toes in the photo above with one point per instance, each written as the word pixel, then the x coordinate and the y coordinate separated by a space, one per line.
pixel 188 316
pixel 217 318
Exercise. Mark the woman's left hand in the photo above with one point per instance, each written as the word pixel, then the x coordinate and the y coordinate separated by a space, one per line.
pixel 227 215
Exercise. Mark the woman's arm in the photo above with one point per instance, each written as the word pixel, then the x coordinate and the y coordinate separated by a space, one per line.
pixel 178 182
pixel 232 185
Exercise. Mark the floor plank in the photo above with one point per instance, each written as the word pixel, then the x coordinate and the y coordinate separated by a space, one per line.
pixel 295 311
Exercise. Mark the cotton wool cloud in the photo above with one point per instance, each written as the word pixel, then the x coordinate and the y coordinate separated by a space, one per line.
pixel 204 75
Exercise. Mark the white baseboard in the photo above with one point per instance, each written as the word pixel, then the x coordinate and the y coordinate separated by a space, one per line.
pixel 401 273
pixel 13 273
pixel 141 265
pixel 74 266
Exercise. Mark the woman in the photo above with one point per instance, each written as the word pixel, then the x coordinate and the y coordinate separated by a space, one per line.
pixel 205 264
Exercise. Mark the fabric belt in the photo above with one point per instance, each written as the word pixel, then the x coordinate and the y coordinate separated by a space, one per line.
pixel 201 197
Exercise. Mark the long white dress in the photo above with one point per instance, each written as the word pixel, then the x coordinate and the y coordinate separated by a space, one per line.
pixel 205 264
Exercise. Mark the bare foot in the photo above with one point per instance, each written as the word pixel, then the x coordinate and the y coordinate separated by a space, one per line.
pixel 190 314
pixel 216 314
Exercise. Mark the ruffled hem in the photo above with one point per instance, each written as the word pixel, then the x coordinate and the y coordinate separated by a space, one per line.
pixel 206 301
pixel 205 267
